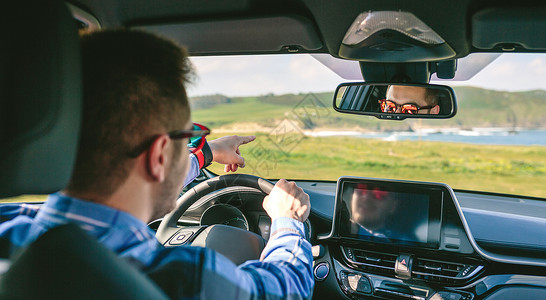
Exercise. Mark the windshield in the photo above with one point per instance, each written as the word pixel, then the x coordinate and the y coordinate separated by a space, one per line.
pixel 495 143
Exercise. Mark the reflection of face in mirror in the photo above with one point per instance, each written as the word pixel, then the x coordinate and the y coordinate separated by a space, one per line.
pixel 371 209
pixel 403 99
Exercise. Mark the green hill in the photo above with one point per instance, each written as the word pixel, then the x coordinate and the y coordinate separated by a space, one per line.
pixel 489 108
pixel 476 108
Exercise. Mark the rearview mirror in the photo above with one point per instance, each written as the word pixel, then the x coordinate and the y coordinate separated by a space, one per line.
pixel 396 101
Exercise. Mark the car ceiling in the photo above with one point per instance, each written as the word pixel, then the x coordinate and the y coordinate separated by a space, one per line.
pixel 319 25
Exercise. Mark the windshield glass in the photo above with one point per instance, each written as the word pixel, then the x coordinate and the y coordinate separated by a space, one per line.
pixel 495 143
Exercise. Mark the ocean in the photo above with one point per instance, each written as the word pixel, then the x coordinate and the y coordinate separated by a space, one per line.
pixel 489 136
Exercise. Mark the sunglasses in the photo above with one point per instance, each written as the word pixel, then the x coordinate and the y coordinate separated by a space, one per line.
pixel 196 135
pixel 378 193
pixel 389 106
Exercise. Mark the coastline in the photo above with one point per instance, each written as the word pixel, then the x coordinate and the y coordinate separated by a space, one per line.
pixel 519 136
pixel 248 127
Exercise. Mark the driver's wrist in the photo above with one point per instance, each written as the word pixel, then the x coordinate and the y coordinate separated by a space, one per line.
pixel 204 156
pixel 280 225
pixel 207 154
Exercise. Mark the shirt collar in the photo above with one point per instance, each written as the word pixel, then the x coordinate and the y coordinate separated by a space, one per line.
pixel 61 209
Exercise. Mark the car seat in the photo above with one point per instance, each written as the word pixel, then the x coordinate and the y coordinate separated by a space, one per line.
pixel 40 109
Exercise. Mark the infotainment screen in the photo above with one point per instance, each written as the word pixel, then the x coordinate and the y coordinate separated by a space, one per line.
pixel 388 212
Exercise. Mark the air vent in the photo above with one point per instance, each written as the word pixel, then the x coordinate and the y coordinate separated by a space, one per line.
pixel 370 261
pixel 442 271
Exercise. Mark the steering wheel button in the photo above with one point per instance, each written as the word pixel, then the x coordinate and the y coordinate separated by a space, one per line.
pixel 180 238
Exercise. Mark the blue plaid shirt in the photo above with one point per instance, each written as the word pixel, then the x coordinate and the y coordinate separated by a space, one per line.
pixel 284 270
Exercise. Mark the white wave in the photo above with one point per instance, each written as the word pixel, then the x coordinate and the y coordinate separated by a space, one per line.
pixel 332 133
pixel 391 138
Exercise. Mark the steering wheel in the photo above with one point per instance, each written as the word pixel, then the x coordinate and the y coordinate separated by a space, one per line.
pixel 218 237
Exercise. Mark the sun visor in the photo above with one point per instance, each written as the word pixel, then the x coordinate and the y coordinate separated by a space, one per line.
pixel 256 35
pixel 509 29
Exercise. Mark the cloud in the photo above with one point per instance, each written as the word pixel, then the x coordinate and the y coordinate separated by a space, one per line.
pixel 511 72
pixel 205 65
pixel 503 69
pixel 262 74
pixel 305 67
pixel 230 75
pixel 538 65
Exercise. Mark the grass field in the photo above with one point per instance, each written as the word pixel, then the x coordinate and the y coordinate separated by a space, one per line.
pixel 517 170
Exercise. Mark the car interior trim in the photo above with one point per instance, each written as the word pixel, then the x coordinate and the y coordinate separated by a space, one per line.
pixel 284 34
pixel 486 254
pixel 89 22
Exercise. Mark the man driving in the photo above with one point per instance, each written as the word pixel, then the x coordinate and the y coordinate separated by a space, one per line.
pixel 371 208
pixel 405 99
pixel 375 213
pixel 133 161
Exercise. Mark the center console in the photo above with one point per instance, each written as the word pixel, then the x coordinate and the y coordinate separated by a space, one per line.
pixel 400 239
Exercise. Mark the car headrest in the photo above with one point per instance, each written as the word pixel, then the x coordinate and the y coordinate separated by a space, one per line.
pixel 40 97
pixel 67 263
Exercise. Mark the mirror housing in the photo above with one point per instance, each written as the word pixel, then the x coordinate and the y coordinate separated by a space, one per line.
pixel 396 101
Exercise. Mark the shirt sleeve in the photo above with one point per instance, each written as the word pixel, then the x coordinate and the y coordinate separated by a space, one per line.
pixel 193 172
pixel 284 270
pixel 10 211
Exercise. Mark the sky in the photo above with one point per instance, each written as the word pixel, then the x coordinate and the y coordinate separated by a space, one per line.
pixel 281 74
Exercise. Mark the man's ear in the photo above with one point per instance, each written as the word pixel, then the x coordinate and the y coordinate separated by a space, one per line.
pixel 157 158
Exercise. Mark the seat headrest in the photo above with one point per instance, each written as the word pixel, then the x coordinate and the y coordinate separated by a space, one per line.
pixel 67 263
pixel 40 97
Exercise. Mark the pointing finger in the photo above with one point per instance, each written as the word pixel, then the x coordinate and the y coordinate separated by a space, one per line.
pixel 246 139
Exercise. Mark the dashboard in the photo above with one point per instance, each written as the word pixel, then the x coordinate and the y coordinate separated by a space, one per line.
pixel 419 240
pixel 411 240
pixel 393 239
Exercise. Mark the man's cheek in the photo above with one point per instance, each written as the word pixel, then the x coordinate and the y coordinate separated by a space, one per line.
pixel 184 167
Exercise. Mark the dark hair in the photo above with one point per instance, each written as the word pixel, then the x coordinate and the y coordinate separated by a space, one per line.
pixel 133 84
pixel 431 94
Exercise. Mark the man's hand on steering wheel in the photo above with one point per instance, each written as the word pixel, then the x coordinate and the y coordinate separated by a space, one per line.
pixel 225 150
pixel 287 200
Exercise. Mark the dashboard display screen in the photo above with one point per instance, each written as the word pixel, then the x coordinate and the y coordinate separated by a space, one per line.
pixel 388 213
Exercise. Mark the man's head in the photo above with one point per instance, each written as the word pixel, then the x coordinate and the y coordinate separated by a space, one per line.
pixel 371 207
pixel 133 95
pixel 425 98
